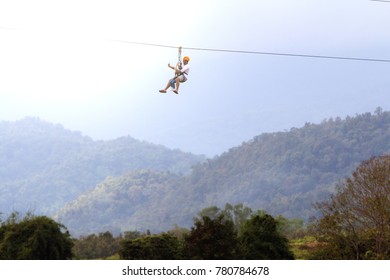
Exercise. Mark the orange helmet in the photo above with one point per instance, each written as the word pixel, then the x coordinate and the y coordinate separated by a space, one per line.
pixel 186 58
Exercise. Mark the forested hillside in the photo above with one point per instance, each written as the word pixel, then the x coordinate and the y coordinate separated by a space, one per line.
pixel 282 173
pixel 117 201
pixel 43 165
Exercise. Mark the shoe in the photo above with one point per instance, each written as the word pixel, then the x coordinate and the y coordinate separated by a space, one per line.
pixel 175 91
pixel 162 91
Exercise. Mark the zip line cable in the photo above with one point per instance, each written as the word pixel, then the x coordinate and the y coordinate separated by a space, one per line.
pixel 256 52
pixel 293 55
pixel 246 51
pixel 380 1
pixel 7 28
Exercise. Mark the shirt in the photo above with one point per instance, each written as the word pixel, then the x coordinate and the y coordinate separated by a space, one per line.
pixel 185 69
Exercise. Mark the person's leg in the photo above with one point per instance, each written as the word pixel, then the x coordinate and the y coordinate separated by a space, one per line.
pixel 177 85
pixel 165 89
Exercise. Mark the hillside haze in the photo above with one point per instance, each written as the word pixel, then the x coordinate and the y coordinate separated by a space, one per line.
pixel 283 173
pixel 43 165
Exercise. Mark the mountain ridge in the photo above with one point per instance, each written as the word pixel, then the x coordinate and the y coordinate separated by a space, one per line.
pixel 283 173
pixel 43 165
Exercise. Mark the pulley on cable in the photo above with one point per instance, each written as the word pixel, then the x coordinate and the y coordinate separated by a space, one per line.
pixel 181 73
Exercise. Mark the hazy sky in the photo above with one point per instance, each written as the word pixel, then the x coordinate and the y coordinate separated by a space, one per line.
pixel 57 63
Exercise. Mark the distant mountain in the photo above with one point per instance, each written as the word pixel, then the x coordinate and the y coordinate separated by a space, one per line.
pixel 282 173
pixel 43 166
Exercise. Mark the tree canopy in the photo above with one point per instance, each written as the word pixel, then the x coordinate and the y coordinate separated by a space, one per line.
pixel 355 221
pixel 163 246
pixel 34 238
pixel 261 240
pixel 212 239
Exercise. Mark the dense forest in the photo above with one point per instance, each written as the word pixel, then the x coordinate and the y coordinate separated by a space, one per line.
pixel 353 225
pixel 131 198
pixel 284 173
pixel 235 232
pixel 43 166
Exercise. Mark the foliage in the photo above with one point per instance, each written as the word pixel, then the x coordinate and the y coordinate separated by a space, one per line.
pixel 355 221
pixel 103 245
pixel 157 247
pixel 260 240
pixel 120 197
pixel 93 246
pixel 217 235
pixel 212 239
pixel 283 173
pixel 34 238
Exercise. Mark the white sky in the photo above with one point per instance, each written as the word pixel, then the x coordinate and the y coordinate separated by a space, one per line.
pixel 56 63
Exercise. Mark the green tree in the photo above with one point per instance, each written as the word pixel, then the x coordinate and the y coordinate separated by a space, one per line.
pixel 94 246
pixel 260 239
pixel 34 238
pixel 152 247
pixel 355 221
pixel 212 239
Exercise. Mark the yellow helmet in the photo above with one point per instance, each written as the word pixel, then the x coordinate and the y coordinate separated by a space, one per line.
pixel 186 58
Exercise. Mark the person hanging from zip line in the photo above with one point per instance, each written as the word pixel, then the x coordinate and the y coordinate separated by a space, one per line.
pixel 181 74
